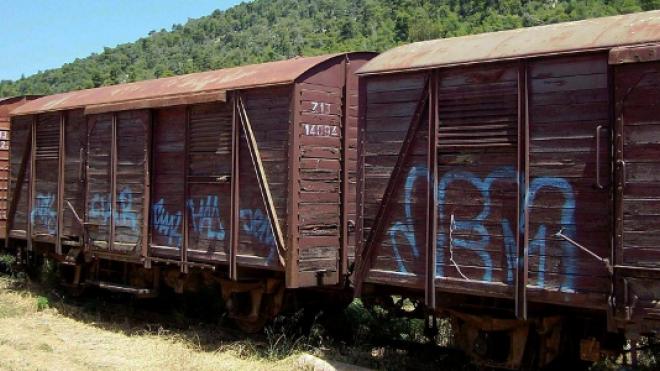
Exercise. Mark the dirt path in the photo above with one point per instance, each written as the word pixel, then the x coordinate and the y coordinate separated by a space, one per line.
pixel 33 337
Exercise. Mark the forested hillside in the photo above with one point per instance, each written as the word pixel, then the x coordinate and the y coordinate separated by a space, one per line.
pixel 265 30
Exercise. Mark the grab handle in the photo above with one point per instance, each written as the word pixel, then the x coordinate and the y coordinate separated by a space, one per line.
pixel 599 128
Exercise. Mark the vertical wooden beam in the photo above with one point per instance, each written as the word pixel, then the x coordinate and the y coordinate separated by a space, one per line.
pixel 361 265
pixel 291 268
pixel 432 191
pixel 235 193
pixel 186 193
pixel 113 182
pixel 522 235
pixel 89 125
pixel 146 202
pixel 619 164
pixel 60 185
pixel 32 179
pixel 343 237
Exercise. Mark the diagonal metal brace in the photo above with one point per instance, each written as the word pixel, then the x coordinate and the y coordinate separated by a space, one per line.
pixel 605 261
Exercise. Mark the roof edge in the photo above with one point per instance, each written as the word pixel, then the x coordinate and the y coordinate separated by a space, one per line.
pixel 587 35
pixel 50 103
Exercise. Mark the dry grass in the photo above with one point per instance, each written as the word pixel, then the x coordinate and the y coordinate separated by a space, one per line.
pixel 35 337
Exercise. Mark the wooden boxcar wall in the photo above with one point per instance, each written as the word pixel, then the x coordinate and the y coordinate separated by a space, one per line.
pixel 74 175
pixel 117 192
pixel 20 170
pixel 323 173
pixel 191 219
pixel 43 212
pixel 270 115
pixel 6 106
pixel 522 154
pixel 637 216
pixel 350 162
pixel 4 174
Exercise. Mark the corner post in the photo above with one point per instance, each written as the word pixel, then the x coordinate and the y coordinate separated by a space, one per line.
pixel 361 267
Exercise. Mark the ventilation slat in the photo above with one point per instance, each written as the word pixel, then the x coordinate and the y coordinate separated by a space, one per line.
pixel 474 116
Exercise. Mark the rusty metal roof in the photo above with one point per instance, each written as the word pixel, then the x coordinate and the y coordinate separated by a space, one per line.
pixel 560 38
pixel 4 100
pixel 8 104
pixel 196 87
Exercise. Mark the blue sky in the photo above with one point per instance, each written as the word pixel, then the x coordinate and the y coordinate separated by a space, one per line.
pixel 41 34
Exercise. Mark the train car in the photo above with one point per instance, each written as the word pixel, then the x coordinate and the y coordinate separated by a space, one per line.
pixel 241 176
pixel 7 105
pixel 511 181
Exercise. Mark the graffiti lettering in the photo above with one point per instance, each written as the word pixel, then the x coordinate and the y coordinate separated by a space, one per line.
pixel 44 213
pixel 476 228
pixel 167 224
pixel 476 225
pixel 406 227
pixel 567 221
pixel 256 224
pixel 124 215
pixel 205 217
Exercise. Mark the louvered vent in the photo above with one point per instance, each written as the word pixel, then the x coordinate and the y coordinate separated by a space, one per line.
pixel 48 136
pixel 477 114
pixel 210 129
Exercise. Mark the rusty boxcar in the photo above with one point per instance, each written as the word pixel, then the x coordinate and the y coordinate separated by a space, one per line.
pixel 7 105
pixel 512 181
pixel 242 174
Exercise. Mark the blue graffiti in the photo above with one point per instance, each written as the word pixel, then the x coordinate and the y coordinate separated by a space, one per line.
pixel 567 221
pixel 475 226
pixel 44 213
pixel 124 214
pixel 205 217
pixel 167 224
pixel 100 209
pixel 257 225
pixel 510 250
pixel 406 228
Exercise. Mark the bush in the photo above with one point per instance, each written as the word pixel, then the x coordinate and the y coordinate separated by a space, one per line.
pixel 286 336
pixel 7 261
pixel 42 303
